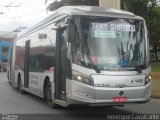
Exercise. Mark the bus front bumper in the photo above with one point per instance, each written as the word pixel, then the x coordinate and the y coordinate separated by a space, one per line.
pixel 104 96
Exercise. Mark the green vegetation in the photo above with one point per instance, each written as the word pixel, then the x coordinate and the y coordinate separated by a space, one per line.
pixel 155 67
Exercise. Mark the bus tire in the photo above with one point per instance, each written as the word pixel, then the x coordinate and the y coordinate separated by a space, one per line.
pixel 20 89
pixel 49 96
pixel 9 82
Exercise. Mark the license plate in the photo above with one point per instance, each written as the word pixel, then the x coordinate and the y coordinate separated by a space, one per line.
pixel 119 99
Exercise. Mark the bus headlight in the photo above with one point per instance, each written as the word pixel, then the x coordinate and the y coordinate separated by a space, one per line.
pixel 148 79
pixel 83 78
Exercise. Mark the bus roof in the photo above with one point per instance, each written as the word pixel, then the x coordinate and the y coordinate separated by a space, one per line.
pixel 82 10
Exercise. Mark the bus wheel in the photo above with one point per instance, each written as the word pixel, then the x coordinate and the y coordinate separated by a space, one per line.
pixel 49 96
pixel 20 86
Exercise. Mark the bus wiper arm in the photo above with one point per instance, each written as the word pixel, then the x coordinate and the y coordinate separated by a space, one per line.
pixel 138 70
pixel 94 66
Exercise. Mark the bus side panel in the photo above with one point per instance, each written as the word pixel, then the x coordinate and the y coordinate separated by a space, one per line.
pixel 41 59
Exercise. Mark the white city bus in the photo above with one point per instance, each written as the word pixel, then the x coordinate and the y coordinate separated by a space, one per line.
pixel 84 55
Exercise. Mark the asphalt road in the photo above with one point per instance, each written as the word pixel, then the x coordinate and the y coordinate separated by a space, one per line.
pixel 28 107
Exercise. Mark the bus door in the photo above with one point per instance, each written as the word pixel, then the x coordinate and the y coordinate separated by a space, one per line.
pixel 60 65
pixel 26 64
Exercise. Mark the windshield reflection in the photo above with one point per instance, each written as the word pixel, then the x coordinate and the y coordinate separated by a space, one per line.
pixel 110 43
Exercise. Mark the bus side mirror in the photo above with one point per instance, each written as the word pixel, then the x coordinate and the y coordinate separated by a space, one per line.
pixel 72 32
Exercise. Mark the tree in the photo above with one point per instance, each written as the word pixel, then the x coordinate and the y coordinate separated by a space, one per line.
pixel 150 10
pixel 55 5
pixel 84 2
pixel 19 29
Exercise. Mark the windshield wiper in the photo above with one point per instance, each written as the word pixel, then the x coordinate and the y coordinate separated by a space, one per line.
pixel 92 63
pixel 94 66
pixel 138 70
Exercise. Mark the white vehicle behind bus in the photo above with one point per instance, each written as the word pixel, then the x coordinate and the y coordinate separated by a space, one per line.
pixel 84 55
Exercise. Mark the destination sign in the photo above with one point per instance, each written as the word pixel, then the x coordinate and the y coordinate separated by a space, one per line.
pixel 110 30
pixel 113 27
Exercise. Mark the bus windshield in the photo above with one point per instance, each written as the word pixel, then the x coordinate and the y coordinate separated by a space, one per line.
pixel 111 43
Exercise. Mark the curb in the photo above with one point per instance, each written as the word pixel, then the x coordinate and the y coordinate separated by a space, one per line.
pixel 156 97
